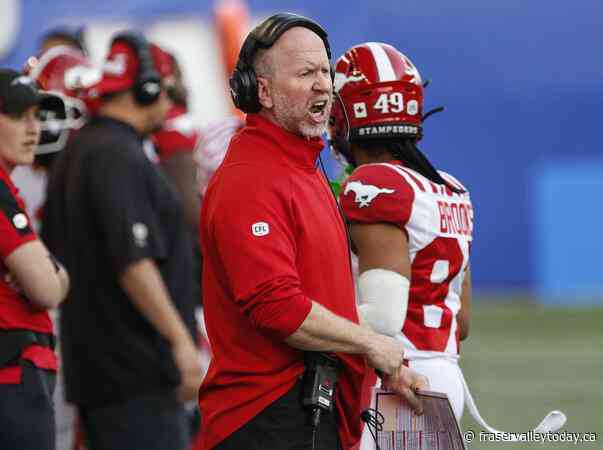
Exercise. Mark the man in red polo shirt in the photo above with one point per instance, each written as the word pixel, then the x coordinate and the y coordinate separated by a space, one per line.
pixel 31 282
pixel 276 276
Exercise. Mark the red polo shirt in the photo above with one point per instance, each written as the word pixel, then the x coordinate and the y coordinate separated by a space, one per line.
pixel 272 240
pixel 16 312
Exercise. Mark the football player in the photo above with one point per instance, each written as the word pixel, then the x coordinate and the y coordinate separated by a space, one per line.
pixel 64 72
pixel 175 142
pixel 411 225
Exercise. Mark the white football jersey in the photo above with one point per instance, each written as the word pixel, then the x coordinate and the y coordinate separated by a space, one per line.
pixel 439 226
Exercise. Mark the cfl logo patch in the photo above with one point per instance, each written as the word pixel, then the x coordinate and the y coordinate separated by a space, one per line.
pixel 140 232
pixel 260 229
pixel 20 221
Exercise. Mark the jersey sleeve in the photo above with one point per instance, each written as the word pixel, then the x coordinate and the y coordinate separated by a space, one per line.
pixel 122 196
pixel 256 247
pixel 15 225
pixel 377 193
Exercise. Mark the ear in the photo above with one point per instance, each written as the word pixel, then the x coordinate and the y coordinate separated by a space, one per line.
pixel 265 92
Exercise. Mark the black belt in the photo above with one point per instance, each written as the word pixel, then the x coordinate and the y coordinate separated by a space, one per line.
pixel 13 342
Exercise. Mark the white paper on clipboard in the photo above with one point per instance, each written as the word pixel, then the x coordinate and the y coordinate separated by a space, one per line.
pixel 436 429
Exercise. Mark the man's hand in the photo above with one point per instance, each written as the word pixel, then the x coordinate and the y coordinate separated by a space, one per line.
pixel 187 360
pixel 147 291
pixel 406 382
pixel 386 354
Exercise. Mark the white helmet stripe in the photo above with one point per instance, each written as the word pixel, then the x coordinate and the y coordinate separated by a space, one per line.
pixel 49 55
pixel 384 65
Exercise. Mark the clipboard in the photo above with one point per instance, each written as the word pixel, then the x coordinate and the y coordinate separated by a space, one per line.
pixel 436 429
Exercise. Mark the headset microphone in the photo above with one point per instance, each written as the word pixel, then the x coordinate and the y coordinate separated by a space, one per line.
pixel 432 111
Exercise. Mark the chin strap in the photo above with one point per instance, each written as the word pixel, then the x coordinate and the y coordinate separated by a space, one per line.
pixel 426 83
pixel 432 111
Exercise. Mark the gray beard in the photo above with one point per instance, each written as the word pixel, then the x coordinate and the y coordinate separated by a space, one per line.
pixel 292 120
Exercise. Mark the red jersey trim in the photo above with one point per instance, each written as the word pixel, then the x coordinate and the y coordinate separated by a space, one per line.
pixel 41 357
pixel 413 178
pixel 14 245
pixel 10 375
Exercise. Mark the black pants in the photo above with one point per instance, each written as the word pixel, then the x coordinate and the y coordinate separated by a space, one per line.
pixel 284 425
pixel 152 421
pixel 26 411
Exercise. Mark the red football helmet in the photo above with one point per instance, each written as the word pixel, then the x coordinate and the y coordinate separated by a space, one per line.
pixel 66 73
pixel 378 94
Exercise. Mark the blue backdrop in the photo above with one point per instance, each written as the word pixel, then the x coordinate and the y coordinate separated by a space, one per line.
pixel 522 82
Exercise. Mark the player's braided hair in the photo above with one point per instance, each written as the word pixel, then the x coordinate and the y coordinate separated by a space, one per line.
pixel 406 150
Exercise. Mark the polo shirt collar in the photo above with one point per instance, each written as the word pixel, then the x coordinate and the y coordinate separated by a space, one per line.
pixel 5 176
pixel 296 149
pixel 117 123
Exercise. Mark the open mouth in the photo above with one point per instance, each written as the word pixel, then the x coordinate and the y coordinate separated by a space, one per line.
pixel 318 107
pixel 318 111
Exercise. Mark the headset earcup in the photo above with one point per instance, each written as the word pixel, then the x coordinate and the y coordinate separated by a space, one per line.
pixel 147 87
pixel 251 81
pixel 244 90
pixel 147 90
pixel 236 89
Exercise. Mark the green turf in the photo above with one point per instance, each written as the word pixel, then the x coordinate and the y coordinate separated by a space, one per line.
pixel 523 360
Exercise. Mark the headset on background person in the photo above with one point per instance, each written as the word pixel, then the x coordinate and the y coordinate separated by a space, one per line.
pixel 147 85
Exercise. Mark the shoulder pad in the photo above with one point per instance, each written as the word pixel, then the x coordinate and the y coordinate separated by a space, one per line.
pixel 377 193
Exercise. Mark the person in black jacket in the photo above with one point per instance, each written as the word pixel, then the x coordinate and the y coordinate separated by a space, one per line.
pixel 128 323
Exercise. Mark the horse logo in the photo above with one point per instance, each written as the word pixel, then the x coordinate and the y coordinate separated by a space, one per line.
pixel 365 193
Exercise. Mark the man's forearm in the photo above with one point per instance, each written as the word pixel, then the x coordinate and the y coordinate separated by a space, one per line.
pixel 324 331
pixel 146 290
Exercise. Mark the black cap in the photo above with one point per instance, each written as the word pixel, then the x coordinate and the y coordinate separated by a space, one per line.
pixel 18 92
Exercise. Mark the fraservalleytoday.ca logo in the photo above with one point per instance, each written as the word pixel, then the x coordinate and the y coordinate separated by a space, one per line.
pixel 531 436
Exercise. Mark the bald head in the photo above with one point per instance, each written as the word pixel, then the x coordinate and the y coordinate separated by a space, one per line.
pixel 295 44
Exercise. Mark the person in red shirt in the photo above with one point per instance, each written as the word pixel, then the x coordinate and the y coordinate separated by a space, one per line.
pixel 177 139
pixel 277 281
pixel 31 283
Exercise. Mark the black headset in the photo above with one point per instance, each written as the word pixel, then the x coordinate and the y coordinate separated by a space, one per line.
pixel 243 82
pixel 147 85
